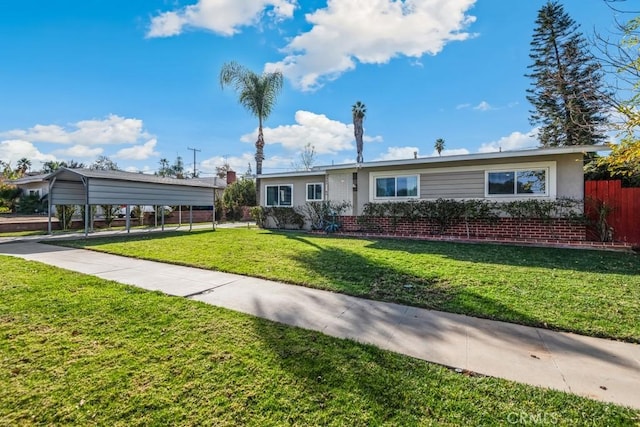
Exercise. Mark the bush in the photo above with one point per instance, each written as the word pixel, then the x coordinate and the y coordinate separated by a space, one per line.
pixel 283 217
pixel 320 214
pixel 30 204
pixel 443 213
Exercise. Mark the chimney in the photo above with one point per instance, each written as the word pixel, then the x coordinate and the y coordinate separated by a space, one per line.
pixel 231 177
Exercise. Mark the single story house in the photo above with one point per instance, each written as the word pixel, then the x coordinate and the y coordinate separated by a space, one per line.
pixel 33 185
pixel 542 174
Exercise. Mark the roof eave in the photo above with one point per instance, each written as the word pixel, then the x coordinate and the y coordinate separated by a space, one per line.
pixel 475 156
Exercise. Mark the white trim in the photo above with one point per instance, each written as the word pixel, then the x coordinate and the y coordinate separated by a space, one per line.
pixel 387 174
pixel 550 185
pixel 279 204
pixel 550 166
pixel 306 193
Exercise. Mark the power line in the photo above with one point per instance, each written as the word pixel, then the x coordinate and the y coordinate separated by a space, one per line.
pixel 194 159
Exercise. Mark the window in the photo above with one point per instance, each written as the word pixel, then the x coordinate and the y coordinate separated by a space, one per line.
pixel 526 182
pixel 279 195
pixel 397 186
pixel 314 192
pixel 34 192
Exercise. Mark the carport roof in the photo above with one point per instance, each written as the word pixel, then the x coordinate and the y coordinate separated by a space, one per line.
pixel 77 174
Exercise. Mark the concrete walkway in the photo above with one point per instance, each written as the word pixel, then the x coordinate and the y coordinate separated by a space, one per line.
pixel 597 368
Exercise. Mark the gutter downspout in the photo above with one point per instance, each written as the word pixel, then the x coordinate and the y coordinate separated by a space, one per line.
pixel 85 182
pixel 49 204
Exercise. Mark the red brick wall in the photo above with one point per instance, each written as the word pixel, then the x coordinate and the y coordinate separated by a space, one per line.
pixel 40 223
pixel 505 228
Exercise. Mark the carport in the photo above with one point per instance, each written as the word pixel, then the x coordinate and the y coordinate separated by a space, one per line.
pixel 88 187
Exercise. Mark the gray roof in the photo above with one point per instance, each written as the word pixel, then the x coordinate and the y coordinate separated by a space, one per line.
pixel 29 179
pixel 75 174
pixel 454 158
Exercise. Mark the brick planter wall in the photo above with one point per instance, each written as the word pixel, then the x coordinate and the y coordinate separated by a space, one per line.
pixel 505 228
pixel 40 223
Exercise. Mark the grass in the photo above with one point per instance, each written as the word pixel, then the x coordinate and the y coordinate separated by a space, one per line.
pixel 589 292
pixel 22 233
pixel 80 350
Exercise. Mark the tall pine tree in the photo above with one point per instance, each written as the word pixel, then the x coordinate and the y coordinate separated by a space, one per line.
pixel 567 90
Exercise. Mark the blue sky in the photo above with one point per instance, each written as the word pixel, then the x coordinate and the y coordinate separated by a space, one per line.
pixel 138 80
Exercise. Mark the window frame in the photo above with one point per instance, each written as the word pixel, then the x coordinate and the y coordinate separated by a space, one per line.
pixel 279 202
pixel 374 186
pixel 306 193
pixel 515 195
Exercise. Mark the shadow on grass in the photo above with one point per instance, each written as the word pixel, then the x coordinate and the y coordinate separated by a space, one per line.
pixel 582 260
pixel 356 275
pixel 97 240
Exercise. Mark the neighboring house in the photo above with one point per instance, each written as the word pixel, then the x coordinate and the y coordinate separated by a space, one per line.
pixel 33 184
pixel 544 174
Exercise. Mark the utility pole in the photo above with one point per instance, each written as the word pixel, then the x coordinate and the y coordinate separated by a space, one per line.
pixel 194 159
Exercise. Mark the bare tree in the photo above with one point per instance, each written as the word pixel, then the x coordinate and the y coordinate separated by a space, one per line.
pixel 307 158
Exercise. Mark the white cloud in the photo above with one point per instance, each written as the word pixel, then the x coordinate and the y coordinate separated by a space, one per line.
pixel 237 163
pixel 79 152
pixel 399 153
pixel 515 141
pixel 462 106
pixel 138 152
pixel 240 164
pixel 370 32
pixel 220 16
pixel 326 135
pixel 15 149
pixel 483 106
pixel 145 169
pixel 111 130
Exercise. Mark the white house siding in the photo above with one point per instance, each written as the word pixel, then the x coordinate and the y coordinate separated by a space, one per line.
pixel 340 189
pixel 299 184
pixel 466 179
pixel 571 177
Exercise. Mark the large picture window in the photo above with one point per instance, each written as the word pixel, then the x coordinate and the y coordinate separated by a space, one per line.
pixel 529 182
pixel 396 186
pixel 314 192
pixel 279 195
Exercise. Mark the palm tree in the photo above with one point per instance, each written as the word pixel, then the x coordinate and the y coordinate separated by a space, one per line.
pixel 358 111
pixel 439 145
pixel 24 165
pixel 256 93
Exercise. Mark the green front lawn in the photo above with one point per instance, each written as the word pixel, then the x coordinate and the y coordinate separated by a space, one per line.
pixel 75 349
pixel 589 292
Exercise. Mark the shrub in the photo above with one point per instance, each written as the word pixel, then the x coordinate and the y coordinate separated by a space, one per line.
pixel 320 214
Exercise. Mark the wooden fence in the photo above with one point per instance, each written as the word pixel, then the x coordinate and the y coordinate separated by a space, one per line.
pixel 624 203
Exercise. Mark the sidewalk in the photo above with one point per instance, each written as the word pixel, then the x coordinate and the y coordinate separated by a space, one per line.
pixel 597 368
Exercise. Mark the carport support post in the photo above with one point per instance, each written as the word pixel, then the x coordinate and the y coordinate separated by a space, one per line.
pixel 127 221
pixel 49 204
pixel 190 218
pixel 162 217
pixel 179 215
pixel 155 216
pixel 86 219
